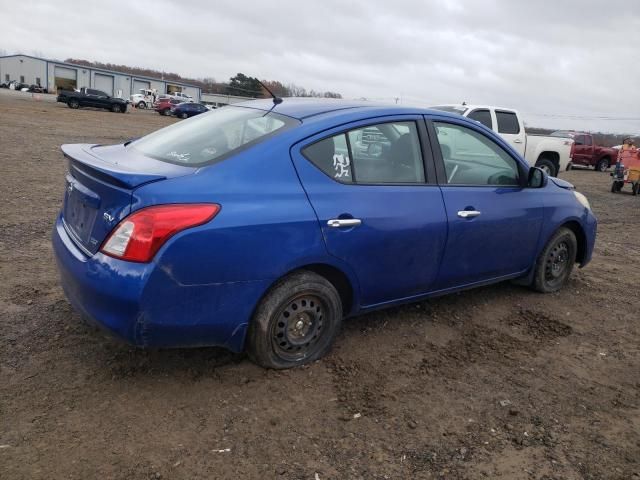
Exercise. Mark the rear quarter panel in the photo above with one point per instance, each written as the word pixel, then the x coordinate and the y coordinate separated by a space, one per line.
pixel 216 274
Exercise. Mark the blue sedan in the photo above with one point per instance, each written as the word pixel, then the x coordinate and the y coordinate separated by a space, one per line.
pixel 259 227
pixel 188 109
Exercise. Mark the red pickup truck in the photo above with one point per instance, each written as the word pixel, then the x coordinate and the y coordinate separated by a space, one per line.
pixel 586 152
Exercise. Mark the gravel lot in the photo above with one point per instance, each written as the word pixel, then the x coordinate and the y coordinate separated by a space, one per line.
pixel 495 382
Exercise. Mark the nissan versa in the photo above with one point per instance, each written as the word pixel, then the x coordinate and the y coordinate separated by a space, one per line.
pixel 259 226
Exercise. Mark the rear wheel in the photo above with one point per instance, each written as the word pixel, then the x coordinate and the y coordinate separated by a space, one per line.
pixel 296 322
pixel 635 189
pixel 73 103
pixel 602 165
pixel 555 263
pixel 548 166
pixel 183 115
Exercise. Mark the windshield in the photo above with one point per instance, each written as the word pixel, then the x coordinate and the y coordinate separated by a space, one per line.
pixel 211 136
pixel 459 109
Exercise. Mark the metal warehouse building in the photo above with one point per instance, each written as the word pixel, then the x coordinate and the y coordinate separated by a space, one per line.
pixel 54 75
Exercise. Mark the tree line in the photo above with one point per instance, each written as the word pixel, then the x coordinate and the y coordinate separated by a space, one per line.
pixel 239 85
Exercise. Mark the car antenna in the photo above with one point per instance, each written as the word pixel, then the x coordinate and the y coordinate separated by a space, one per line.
pixel 276 100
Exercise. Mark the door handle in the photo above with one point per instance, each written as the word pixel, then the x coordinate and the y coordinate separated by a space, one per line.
pixel 344 222
pixel 517 140
pixel 468 213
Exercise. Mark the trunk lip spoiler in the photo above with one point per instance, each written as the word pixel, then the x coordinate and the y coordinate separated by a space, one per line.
pixel 82 157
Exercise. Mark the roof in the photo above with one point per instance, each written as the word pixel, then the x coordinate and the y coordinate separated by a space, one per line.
pixel 306 107
pixel 97 69
pixel 474 107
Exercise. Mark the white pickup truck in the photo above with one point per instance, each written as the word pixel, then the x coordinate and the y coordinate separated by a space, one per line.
pixel 552 154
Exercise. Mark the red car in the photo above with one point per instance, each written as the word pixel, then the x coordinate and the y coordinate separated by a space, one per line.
pixel 163 105
pixel 585 151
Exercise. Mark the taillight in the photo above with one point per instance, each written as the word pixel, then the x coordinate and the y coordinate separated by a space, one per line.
pixel 573 149
pixel 138 237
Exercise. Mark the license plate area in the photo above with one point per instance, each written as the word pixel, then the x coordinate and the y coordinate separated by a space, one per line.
pixel 80 210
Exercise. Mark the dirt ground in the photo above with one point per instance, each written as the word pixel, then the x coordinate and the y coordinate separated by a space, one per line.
pixel 499 382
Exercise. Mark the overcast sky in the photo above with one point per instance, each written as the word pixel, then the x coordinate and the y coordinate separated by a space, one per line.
pixel 562 63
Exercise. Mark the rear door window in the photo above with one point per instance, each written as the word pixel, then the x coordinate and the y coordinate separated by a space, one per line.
pixel 507 122
pixel 483 116
pixel 386 153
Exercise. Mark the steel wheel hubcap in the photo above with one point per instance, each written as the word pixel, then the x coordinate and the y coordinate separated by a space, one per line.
pixel 557 261
pixel 298 326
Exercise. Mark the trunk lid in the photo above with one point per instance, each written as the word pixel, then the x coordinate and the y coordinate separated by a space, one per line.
pixel 99 186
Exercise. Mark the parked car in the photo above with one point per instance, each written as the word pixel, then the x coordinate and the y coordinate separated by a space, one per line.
pixel 587 153
pixel 18 86
pixel 182 96
pixel 549 153
pixel 88 97
pixel 37 89
pixel 186 110
pixel 164 105
pixel 259 227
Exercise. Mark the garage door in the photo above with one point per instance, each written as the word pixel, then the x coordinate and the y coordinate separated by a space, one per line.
pixel 65 78
pixel 140 84
pixel 104 83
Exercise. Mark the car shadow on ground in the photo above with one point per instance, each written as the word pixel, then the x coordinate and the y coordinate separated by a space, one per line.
pixel 122 361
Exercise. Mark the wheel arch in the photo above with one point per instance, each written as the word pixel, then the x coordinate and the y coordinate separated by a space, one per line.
pixel 338 279
pixel 607 157
pixel 554 157
pixel 581 239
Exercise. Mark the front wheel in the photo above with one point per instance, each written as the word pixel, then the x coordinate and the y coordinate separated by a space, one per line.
pixel 73 103
pixel 602 165
pixel 296 322
pixel 635 189
pixel 183 115
pixel 555 263
pixel 142 105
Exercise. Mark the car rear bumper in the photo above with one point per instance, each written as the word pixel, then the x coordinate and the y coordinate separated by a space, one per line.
pixel 145 306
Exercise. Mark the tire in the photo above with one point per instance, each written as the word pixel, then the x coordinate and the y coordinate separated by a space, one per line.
pixel 73 103
pixel 141 105
pixel 635 189
pixel 548 166
pixel 295 323
pixel 602 165
pixel 166 112
pixel 614 187
pixel 555 262
pixel 116 108
pixel 184 115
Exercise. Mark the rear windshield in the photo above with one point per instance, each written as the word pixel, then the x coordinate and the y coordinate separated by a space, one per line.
pixel 212 136
pixel 459 109
pixel 562 134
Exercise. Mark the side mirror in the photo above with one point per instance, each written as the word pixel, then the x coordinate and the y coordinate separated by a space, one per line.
pixel 537 178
